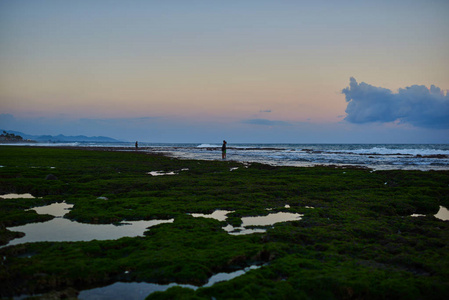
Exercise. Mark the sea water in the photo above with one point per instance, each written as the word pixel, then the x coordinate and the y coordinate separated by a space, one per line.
pixel 374 156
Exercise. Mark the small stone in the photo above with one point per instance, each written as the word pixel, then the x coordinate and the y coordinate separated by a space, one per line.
pixel 51 177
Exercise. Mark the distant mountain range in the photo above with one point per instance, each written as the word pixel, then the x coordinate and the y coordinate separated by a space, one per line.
pixel 62 138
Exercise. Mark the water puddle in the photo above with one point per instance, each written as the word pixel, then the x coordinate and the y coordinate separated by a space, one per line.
pixel 140 290
pixel 34 167
pixel 55 209
pixel 249 222
pixel 162 173
pixel 442 214
pixel 127 290
pixel 242 230
pixel 417 215
pixel 17 196
pixel 228 276
pixel 268 220
pixel 219 215
pixel 65 230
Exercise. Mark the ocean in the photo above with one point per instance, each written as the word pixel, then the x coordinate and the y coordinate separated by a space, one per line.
pixel 374 156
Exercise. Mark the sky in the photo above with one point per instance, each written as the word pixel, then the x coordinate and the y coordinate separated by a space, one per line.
pixel 250 71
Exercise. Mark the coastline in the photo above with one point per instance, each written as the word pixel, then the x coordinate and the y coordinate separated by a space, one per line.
pixel 376 157
pixel 423 157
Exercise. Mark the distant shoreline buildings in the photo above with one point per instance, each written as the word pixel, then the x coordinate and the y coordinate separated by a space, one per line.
pixel 6 137
pixel 9 136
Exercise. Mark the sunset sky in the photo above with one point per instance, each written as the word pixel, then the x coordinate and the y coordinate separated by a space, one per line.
pixel 244 71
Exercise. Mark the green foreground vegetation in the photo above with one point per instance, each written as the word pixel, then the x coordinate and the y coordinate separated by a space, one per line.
pixel 358 242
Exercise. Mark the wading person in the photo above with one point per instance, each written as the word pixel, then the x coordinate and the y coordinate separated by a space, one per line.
pixel 223 150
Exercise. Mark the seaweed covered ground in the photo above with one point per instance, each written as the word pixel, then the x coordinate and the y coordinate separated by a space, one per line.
pixel 359 241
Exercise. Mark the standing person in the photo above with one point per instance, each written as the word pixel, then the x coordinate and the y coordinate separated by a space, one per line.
pixel 223 150
pixel 137 145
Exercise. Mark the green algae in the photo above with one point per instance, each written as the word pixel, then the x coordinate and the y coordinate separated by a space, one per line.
pixel 359 240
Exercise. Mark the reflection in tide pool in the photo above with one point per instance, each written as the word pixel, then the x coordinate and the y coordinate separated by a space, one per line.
pixel 219 215
pixel 270 219
pixel 442 214
pixel 160 173
pixel 55 209
pixel 64 230
pixel 228 276
pixel 267 220
pixel 140 290
pixel 16 196
pixel 126 290
pixel 242 230
pixel 418 215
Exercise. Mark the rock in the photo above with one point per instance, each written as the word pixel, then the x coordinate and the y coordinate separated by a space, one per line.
pixel 51 177
pixel 440 156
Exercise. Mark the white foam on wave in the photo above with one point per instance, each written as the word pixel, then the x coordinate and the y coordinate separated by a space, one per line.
pixel 243 147
pixel 393 151
pixel 208 146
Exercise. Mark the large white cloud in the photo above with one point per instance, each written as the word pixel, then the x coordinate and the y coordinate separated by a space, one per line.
pixel 416 105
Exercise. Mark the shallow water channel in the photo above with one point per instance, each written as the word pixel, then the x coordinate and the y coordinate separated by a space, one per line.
pixel 140 290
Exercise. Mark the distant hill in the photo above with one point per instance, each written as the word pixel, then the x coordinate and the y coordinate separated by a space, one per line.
pixel 62 138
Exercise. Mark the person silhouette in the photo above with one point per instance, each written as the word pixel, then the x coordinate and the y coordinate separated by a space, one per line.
pixel 223 150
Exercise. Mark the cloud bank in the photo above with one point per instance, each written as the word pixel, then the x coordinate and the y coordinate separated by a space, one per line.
pixel 416 105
